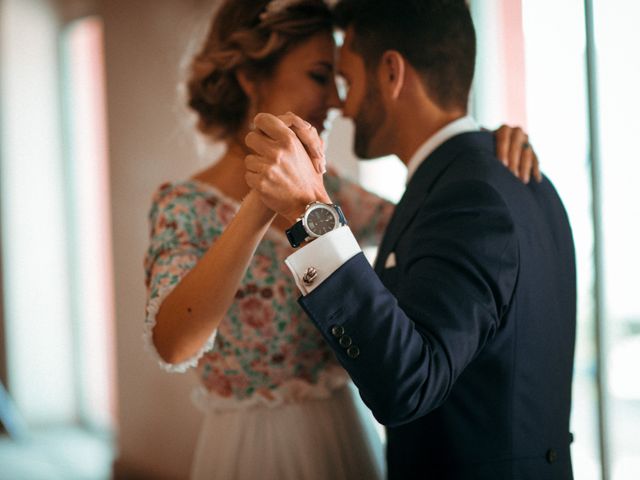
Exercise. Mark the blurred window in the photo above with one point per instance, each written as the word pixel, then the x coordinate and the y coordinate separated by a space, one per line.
pixel 57 274
pixel 89 213
pixel 36 265
pixel 617 77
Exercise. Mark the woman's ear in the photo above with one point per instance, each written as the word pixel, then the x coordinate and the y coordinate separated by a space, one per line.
pixel 392 73
pixel 247 85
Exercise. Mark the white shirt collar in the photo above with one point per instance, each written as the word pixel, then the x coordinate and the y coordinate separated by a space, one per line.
pixel 461 125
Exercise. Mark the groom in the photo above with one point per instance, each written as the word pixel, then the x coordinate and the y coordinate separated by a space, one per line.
pixel 461 342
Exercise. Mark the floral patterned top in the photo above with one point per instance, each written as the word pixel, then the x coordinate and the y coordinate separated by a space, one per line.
pixel 265 349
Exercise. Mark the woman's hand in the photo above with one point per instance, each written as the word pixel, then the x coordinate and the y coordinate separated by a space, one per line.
pixel 281 169
pixel 515 152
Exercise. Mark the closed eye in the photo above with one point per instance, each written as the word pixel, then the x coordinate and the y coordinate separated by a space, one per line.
pixel 320 78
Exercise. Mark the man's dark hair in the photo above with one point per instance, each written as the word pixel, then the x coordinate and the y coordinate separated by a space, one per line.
pixel 435 36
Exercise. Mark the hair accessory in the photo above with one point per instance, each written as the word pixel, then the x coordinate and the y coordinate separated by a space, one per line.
pixel 275 7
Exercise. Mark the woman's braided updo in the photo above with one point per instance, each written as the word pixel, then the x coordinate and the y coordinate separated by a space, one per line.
pixel 244 36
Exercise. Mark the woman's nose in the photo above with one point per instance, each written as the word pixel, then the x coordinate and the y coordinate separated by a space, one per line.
pixel 333 97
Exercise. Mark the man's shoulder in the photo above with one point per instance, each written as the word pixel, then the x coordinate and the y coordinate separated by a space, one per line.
pixel 476 160
pixel 468 155
pixel 449 159
pixel 479 139
pixel 479 142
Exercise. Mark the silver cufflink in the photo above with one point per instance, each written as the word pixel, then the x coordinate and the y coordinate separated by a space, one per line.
pixel 310 275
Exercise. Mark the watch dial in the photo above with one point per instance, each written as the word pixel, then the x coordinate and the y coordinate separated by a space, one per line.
pixel 321 221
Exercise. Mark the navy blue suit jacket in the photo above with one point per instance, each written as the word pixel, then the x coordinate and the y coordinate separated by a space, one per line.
pixel 464 349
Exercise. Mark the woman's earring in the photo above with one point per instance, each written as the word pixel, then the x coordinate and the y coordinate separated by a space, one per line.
pixel 251 114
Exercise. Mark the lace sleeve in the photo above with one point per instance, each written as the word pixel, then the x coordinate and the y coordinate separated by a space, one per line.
pixel 177 241
pixel 367 213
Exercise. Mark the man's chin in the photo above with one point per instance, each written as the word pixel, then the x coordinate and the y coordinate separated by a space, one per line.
pixel 360 155
pixel 365 152
pixel 362 151
pixel 367 144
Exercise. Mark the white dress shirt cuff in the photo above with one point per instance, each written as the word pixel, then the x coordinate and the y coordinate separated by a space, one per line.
pixel 315 262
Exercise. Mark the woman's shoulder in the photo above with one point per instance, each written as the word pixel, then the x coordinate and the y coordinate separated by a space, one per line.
pixel 186 190
pixel 192 201
pixel 189 192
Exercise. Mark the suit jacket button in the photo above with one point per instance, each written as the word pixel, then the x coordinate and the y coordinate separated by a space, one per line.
pixel 353 351
pixel 345 341
pixel 337 331
pixel 552 455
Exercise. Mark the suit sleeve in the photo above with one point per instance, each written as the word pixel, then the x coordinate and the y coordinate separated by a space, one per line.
pixel 405 352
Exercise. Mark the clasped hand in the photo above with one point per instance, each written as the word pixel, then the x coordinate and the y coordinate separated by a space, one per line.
pixel 287 165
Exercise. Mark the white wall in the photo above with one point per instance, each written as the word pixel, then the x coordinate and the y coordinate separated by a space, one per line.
pixel 144 42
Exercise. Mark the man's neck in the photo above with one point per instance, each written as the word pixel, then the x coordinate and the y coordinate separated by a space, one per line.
pixel 414 130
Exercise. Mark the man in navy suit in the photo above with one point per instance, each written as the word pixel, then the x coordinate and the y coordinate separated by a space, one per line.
pixel 461 341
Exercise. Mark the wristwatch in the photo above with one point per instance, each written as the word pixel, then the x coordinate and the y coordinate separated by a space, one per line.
pixel 318 218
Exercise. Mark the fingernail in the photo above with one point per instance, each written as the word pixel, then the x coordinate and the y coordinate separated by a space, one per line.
pixel 306 124
pixel 319 152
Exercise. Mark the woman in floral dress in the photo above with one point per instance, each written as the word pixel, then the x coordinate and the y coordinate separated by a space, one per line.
pixel 276 403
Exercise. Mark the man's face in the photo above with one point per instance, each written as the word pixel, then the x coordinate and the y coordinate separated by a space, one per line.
pixel 363 103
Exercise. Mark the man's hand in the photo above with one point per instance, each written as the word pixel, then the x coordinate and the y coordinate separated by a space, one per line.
pixel 286 169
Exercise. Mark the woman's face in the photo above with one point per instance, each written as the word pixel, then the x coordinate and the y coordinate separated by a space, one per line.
pixel 303 82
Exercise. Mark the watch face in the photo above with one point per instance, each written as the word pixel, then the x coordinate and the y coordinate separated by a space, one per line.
pixel 321 220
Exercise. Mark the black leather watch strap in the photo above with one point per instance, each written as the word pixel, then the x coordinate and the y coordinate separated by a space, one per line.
pixel 296 234
pixel 343 219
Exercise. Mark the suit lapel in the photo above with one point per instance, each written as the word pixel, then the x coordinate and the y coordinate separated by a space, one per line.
pixel 421 184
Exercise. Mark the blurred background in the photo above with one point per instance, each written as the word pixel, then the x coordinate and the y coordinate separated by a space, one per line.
pixel 91 122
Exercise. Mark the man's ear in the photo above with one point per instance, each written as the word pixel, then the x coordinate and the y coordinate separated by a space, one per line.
pixel 392 73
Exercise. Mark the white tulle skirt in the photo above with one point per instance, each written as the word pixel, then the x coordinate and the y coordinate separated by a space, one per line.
pixel 331 438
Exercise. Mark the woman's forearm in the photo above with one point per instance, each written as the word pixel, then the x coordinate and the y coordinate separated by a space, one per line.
pixel 190 313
